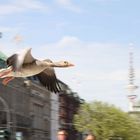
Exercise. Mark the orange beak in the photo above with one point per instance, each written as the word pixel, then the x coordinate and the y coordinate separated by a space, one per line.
pixel 71 65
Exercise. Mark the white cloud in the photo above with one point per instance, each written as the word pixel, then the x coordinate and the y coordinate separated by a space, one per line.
pixel 106 0
pixel 30 4
pixel 9 29
pixel 9 9
pixel 21 6
pixel 9 48
pixel 118 75
pixel 64 2
pixel 67 41
pixel 68 4
pixel 66 47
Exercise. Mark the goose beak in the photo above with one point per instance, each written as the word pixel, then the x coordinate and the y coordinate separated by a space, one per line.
pixel 71 65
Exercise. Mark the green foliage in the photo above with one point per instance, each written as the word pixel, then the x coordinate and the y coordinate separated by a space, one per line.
pixel 106 120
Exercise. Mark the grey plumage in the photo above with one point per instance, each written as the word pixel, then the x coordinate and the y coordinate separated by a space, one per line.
pixel 46 77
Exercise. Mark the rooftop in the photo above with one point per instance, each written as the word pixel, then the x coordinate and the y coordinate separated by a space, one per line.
pixel 3 58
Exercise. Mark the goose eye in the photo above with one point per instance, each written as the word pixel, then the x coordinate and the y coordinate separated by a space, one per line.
pixel 65 62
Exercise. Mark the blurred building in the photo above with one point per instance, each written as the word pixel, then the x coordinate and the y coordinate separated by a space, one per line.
pixel 69 103
pixel 63 108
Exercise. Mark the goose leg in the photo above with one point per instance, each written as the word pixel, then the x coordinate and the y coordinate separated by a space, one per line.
pixel 7 80
pixel 5 72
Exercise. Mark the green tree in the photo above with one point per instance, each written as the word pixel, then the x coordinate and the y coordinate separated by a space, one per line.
pixel 106 120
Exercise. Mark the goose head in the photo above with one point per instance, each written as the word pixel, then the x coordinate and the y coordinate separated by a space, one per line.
pixel 62 64
pixel 49 63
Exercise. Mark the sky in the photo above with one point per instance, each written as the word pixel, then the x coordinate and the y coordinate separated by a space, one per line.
pixel 95 35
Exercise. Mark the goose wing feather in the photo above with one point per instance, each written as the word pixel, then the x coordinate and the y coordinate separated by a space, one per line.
pixel 18 59
pixel 48 79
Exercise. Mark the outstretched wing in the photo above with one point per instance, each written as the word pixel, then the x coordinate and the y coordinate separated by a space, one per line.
pixel 12 61
pixel 17 60
pixel 48 79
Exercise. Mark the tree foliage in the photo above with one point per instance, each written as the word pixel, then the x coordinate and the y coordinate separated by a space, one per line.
pixel 106 120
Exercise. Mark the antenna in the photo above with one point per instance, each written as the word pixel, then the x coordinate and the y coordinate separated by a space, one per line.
pixel 131 87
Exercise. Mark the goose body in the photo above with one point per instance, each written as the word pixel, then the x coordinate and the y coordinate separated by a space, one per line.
pixel 24 65
pixel 26 71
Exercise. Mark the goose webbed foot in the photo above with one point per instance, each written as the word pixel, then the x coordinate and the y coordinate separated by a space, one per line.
pixel 4 72
pixel 7 80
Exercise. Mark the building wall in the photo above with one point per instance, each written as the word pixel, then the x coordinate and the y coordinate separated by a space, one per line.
pixel 40 112
pixel 29 109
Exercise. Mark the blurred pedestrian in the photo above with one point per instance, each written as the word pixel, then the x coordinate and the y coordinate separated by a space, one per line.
pixel 62 135
pixel 90 137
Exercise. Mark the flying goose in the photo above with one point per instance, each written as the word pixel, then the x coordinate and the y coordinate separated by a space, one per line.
pixel 23 64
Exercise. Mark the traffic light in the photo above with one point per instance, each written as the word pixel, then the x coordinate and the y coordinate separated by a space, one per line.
pixel 5 134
